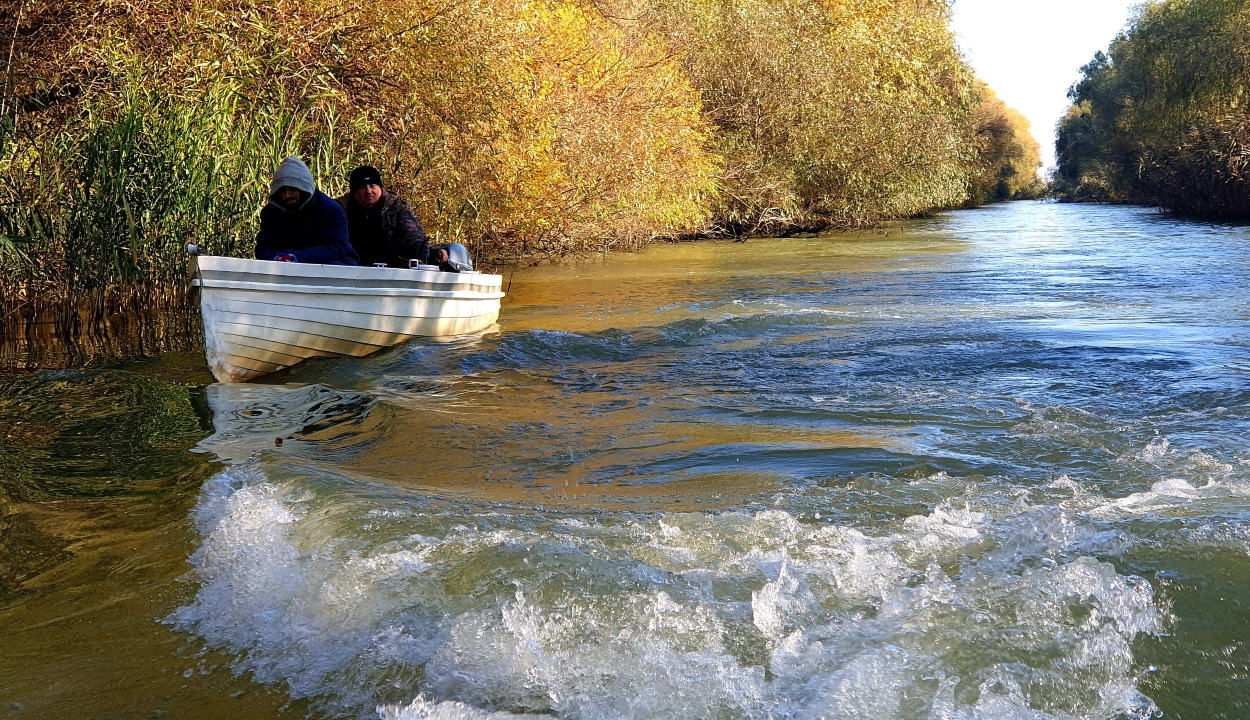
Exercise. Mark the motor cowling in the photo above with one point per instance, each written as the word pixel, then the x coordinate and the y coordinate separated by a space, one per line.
pixel 458 259
pixel 458 256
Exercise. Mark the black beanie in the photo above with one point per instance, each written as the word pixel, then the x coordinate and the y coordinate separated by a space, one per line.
pixel 364 175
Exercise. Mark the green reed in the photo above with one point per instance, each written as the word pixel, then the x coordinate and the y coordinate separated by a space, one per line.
pixel 96 215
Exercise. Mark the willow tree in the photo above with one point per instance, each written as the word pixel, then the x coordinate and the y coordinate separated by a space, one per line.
pixel 1163 117
pixel 838 112
pixel 1008 156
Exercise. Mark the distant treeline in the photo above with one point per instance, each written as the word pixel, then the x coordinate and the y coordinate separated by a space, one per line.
pixel 525 129
pixel 1163 117
pixel 1008 156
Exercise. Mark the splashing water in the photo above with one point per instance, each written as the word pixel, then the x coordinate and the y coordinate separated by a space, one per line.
pixel 734 614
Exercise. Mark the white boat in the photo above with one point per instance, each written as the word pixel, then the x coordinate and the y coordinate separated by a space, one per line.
pixel 261 316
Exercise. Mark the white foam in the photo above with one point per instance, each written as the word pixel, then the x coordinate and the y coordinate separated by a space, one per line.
pixel 423 709
pixel 1156 451
pixel 1193 467
pixel 1173 494
pixel 1220 534
pixel 366 605
pixel 781 604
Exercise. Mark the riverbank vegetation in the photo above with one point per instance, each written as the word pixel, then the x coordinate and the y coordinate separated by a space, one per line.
pixel 1009 157
pixel 1163 118
pixel 527 130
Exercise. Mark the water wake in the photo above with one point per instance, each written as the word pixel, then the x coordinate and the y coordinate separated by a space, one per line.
pixel 328 424
pixel 376 603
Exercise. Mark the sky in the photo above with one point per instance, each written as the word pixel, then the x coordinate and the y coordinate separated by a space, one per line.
pixel 1031 51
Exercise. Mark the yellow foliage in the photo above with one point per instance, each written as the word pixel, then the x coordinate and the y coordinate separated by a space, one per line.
pixel 526 128
pixel 584 140
pixel 1008 154
pixel 827 111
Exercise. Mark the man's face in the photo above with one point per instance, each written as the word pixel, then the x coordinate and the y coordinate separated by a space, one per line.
pixel 289 196
pixel 368 195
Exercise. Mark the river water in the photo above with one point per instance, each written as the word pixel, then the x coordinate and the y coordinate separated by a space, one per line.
pixel 988 465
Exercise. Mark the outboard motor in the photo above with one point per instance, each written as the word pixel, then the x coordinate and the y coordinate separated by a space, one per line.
pixel 458 257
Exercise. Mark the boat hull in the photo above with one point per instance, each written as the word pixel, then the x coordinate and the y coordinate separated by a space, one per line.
pixel 261 316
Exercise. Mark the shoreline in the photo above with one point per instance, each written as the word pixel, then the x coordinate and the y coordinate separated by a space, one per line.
pixel 97 339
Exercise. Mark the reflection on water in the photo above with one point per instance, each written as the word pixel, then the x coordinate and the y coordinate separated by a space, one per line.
pixel 326 424
pixel 99 331
pixel 989 465
pixel 96 483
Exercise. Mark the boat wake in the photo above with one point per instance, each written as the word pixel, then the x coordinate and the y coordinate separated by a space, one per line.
pixel 373 601
pixel 318 421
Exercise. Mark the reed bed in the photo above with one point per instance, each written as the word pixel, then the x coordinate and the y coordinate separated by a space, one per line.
pixel 527 130
pixel 100 210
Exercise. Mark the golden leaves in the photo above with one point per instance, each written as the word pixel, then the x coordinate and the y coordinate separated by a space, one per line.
pixel 546 127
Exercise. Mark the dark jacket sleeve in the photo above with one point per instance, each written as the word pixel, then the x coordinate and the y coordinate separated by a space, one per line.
pixel 410 240
pixel 333 247
pixel 265 248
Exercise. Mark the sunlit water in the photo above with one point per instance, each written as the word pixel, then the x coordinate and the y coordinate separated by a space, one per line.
pixel 989 465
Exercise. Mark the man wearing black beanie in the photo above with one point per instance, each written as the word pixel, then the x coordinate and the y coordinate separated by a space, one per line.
pixel 381 225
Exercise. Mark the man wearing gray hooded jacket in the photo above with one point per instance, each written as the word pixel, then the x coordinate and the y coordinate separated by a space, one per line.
pixel 301 223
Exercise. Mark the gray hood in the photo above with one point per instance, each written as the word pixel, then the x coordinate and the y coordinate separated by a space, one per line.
pixel 292 173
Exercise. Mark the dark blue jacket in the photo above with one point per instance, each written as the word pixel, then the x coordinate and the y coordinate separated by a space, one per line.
pixel 315 233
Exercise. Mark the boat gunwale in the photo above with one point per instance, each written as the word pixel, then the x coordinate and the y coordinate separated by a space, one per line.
pixel 346 290
pixel 311 271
